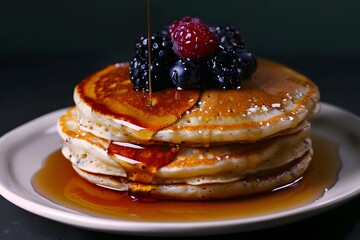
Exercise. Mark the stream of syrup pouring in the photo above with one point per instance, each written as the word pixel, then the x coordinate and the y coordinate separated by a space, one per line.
pixel 149 54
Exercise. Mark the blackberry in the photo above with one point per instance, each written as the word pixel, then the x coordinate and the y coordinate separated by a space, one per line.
pixel 231 38
pixel 160 75
pixel 139 74
pixel 162 57
pixel 226 69
pixel 161 47
pixel 185 74
pixel 228 36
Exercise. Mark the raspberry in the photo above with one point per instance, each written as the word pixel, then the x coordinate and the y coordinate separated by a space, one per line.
pixel 193 39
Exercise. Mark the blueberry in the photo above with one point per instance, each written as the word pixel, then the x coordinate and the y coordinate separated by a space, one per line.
pixel 248 60
pixel 185 74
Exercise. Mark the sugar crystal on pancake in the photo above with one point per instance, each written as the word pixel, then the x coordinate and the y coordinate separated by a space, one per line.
pixel 231 126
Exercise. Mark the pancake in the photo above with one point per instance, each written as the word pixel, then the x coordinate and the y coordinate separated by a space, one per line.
pixel 274 99
pixel 191 144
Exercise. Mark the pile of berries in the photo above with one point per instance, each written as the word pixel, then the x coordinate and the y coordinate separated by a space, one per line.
pixel 189 54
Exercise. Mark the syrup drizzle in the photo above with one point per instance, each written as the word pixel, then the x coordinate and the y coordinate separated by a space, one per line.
pixel 141 162
pixel 150 104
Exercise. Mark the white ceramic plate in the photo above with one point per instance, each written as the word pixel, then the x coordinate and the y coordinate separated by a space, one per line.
pixel 23 150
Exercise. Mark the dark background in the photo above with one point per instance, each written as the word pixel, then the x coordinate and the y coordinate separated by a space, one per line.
pixel 47 47
pixel 109 27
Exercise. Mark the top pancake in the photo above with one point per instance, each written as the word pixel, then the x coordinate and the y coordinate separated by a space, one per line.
pixel 273 100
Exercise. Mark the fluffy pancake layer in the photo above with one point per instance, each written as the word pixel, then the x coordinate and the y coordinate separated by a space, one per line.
pixel 274 99
pixel 209 191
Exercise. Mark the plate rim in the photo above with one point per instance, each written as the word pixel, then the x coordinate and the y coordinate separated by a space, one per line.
pixel 144 228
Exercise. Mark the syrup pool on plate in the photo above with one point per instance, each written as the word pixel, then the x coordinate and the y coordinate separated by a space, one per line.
pixel 58 182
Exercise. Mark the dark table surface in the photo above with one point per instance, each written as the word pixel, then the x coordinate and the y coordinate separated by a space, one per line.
pixel 35 85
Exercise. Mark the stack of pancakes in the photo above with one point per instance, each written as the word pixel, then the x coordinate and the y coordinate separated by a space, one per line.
pixel 191 144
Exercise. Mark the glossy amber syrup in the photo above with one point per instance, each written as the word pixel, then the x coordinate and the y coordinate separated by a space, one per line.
pixel 148 159
pixel 57 182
